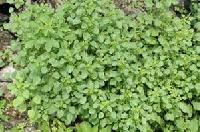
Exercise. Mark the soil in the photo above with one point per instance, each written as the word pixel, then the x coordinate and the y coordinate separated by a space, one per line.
pixel 6 93
pixel 5 38
pixel 3 17
pixel 127 7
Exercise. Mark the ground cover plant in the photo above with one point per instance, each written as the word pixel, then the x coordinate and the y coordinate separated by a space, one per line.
pixel 90 61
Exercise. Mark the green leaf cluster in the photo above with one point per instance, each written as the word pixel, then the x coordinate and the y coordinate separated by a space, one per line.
pixel 88 60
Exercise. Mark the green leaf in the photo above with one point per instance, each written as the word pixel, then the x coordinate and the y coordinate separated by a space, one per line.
pixel 196 105
pixel 56 75
pixel 52 109
pixel 44 126
pixel 92 111
pixel 198 49
pixel 26 94
pixel 197 36
pixel 86 36
pixel 60 113
pixel 94 97
pixel 95 129
pixel 45 117
pixel 83 100
pixel 37 99
pixel 113 115
pixel 169 116
pixel 51 44
pixel 48 47
pixel 107 129
pixel 18 101
pixel 36 80
pixel 70 68
pixel 149 3
pixel 76 21
pixel 96 30
pixel 119 24
pixel 193 125
pixel 185 108
pixel 1 128
pixel 84 127
pixel 31 113
pixel 2 63
pixel 101 115
pixel 44 70
pixel 55 43
pixel 72 110
pixel 101 38
pixel 181 124
pixel 197 26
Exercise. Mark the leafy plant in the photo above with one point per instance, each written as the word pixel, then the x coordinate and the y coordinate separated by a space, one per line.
pixel 88 60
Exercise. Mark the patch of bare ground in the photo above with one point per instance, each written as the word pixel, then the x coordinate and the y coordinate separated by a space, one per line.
pixel 128 6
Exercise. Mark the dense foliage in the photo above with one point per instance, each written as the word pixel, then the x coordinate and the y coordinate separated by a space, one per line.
pixel 88 61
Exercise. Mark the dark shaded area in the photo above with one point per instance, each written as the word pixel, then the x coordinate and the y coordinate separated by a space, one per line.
pixel 4 8
pixel 184 7
pixel 186 4
pixel 5 36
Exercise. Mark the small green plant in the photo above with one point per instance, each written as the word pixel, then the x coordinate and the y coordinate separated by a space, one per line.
pixel 86 127
pixel 3 117
pixel 87 60
pixel 5 57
